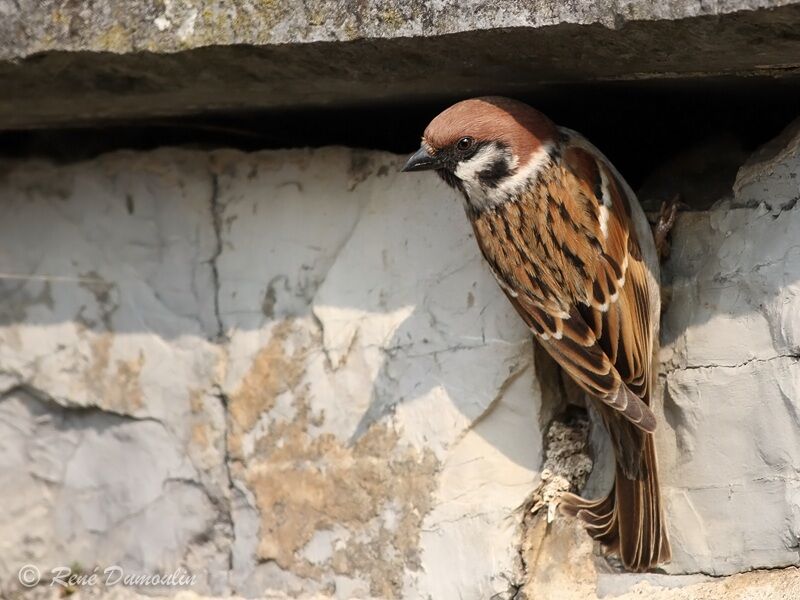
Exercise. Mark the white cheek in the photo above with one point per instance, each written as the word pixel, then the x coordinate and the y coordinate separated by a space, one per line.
pixel 467 170
pixel 482 198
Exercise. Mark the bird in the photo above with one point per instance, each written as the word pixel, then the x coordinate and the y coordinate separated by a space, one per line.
pixel 570 246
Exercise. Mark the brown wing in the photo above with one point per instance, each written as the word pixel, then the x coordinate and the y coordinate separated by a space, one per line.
pixel 586 296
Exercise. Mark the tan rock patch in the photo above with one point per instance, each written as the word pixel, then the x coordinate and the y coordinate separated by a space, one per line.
pixel 115 383
pixel 376 489
pixel 273 371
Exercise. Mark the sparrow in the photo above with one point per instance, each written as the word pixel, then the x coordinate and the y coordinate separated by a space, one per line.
pixel 569 244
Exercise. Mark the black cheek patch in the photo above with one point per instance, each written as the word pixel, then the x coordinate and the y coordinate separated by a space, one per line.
pixel 494 173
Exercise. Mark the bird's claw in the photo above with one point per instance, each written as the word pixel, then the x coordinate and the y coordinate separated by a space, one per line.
pixel 666 220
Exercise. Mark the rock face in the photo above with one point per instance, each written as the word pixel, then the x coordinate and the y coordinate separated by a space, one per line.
pixel 731 349
pixel 64 62
pixel 281 371
pixel 290 371
pixel 111 428
pixel 174 25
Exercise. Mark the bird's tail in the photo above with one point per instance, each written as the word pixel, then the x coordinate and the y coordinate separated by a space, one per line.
pixel 630 520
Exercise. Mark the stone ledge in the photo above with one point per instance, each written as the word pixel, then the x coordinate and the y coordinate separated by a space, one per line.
pixel 33 26
pixel 64 66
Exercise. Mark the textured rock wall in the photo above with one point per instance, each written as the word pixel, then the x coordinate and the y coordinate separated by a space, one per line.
pixel 66 62
pixel 290 371
pixel 732 346
pixel 33 26
pixel 283 371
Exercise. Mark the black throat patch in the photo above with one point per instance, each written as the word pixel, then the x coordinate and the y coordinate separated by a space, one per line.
pixel 450 179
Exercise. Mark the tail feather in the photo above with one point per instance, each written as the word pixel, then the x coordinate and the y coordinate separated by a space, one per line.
pixel 629 521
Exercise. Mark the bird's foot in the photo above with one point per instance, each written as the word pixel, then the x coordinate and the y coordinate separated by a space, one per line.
pixel 664 224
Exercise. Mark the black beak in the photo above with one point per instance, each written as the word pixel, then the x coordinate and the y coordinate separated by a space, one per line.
pixel 421 161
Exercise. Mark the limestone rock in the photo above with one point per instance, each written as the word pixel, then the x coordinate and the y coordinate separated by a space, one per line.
pixel 291 374
pixel 281 371
pixel 66 62
pixel 374 373
pixel 732 401
pixel 110 426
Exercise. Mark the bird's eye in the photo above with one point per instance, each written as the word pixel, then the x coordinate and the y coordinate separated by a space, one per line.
pixel 465 143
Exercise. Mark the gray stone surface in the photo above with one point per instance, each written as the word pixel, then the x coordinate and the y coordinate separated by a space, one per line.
pixel 731 364
pixel 783 584
pixel 111 423
pixel 290 373
pixel 32 26
pixel 69 62
pixel 266 369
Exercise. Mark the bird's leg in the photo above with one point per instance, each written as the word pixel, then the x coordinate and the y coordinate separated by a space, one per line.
pixel 664 224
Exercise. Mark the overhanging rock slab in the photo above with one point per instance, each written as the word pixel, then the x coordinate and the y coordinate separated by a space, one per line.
pixel 62 63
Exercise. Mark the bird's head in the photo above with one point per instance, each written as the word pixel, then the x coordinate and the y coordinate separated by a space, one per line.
pixel 485 147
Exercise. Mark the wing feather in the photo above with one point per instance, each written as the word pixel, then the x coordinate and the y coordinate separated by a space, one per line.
pixel 586 299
